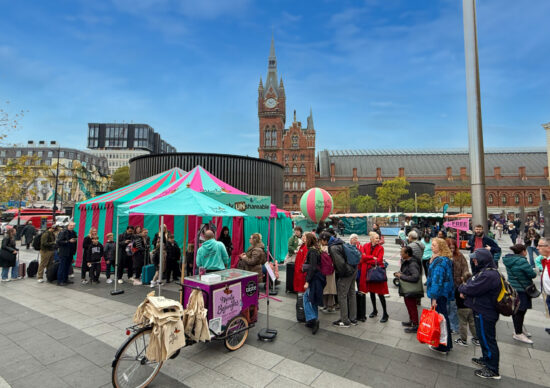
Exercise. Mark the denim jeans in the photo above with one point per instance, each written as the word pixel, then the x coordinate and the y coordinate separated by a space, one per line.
pixel 453 315
pixel 486 332
pixel 532 250
pixel 14 271
pixel 311 311
pixel 441 308
pixel 63 269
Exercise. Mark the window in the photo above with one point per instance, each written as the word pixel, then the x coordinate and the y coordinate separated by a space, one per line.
pixel 268 138
pixel 62 154
pixel 274 157
pixel 302 157
pixel 294 157
pixel 303 185
pixel 286 157
pixel 2 153
pixel 286 169
pixel 40 153
pixel 516 199
pixel 503 199
pixel 71 155
pixel 50 154
pixel 273 137
pixel 303 169
pixel 287 199
pixel 294 169
pixel 294 185
pixel 48 162
pixel 294 141
pixel 530 198
pixel 491 199
pixel 287 185
pixel 29 153
pixel 17 153
pixel 267 157
pixel 294 199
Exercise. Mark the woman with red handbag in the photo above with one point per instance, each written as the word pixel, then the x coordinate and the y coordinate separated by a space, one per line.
pixel 373 278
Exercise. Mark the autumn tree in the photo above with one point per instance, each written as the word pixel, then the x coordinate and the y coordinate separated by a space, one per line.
pixel 439 200
pixel 391 193
pixel 9 121
pixel 425 202
pixel 406 205
pixel 463 199
pixel 363 204
pixel 120 178
pixel 342 201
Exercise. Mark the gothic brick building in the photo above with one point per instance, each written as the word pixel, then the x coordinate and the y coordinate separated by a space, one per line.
pixel 292 147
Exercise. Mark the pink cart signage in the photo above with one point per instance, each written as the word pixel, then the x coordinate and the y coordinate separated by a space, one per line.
pixel 461 224
pixel 227 302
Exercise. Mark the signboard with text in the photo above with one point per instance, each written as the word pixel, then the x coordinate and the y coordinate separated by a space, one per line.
pixel 461 224
pixel 252 205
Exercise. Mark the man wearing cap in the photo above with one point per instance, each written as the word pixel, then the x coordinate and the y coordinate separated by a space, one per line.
pixel 480 294
pixel 544 250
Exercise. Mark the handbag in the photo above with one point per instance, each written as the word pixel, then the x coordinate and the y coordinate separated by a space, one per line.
pixel 531 290
pixel 409 288
pixel 377 274
pixel 429 328
pixel 7 258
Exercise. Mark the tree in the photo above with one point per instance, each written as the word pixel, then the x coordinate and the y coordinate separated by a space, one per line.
pixel 463 199
pixel 120 178
pixel 363 204
pixel 9 121
pixel 342 201
pixel 407 205
pixel 425 202
pixel 390 193
pixel 439 200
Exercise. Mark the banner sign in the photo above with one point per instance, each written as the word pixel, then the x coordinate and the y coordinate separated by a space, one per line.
pixel 461 224
pixel 227 302
pixel 252 205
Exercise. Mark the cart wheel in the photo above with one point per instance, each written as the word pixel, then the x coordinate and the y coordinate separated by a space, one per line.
pixel 131 368
pixel 235 341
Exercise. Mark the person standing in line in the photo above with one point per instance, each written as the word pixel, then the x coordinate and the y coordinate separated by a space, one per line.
pixel 47 248
pixel 345 283
pixel 139 251
pixel 460 268
pixel 225 238
pixel 109 256
pixel 8 256
pixel 29 231
pixel 125 260
pixel 86 243
pixel 67 242
pixel 315 283
pixel 189 259
pixel 294 243
pixel 95 254
pixel 330 291
pixel 479 240
pixel 299 275
pixel 417 248
pixel 520 275
pixel 480 294
pixel 173 254
pixel 465 317
pixel 410 287
pixel 372 256
pixel 544 249
pixel 532 241
pixel 427 254
pixel 440 287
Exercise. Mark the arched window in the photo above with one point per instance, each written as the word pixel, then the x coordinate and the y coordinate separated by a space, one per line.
pixel 267 138
pixel 294 185
pixel 294 169
pixel 267 157
pixel 273 137
pixel 294 157
pixel 287 199
pixel 516 199
pixel 294 199
pixel 302 157
pixel 294 141
pixel 530 198
pixel 286 169
pixel 303 169
pixel 491 198
pixel 503 199
pixel 303 185
pixel 287 185
pixel 286 158
pixel 274 157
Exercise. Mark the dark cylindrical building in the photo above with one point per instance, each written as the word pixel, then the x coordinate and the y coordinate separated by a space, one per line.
pixel 251 175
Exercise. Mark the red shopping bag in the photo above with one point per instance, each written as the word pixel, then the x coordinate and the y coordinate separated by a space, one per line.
pixel 429 328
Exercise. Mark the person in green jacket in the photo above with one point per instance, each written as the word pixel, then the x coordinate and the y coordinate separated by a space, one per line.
pixel 212 254
pixel 520 275
pixel 294 243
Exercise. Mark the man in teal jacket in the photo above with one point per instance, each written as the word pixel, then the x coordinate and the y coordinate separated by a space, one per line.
pixel 212 254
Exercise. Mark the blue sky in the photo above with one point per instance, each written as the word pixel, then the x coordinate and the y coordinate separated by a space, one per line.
pixel 377 73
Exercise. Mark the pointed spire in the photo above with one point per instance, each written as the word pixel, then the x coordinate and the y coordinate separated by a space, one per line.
pixel 310 119
pixel 261 85
pixel 272 48
pixel 271 81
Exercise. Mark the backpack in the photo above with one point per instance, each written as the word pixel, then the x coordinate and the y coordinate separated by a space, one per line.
pixel 353 256
pixel 36 241
pixel 327 267
pixel 507 300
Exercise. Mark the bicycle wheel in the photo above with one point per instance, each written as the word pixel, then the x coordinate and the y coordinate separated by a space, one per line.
pixel 235 325
pixel 131 368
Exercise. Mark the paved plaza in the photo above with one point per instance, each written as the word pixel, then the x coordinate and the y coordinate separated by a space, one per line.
pixel 67 336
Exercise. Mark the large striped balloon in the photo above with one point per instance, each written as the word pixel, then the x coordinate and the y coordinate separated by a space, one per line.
pixel 316 204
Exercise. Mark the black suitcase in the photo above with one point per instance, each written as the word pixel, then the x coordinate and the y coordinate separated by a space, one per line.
pixel 32 269
pixel 300 312
pixel 361 306
pixel 290 278
pixel 51 271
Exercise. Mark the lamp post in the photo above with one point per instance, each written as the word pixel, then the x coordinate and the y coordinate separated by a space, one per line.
pixel 55 188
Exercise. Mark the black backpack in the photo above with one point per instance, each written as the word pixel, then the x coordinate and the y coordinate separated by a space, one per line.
pixel 36 241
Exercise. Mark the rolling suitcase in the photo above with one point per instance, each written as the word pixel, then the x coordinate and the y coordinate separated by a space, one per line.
pixel 51 271
pixel 300 312
pixel 148 271
pixel 22 270
pixel 290 277
pixel 361 306
pixel 32 269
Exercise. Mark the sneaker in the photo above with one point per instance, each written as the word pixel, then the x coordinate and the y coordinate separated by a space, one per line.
pixel 19 277
pixel 5 280
pixel 137 283
pixel 324 309
pixel 384 319
pixel 339 323
pixel 331 311
pixel 522 338
pixel 460 341
pixel 84 281
pixel 40 280
pixel 153 284
pixel 487 373
pixel 475 341
pixel 435 349
pixel 527 334
pixel 120 281
pixel 478 362
pixel 353 322
pixel 407 324
pixel 373 314
pixel 108 281
pixel 71 275
pixel 410 330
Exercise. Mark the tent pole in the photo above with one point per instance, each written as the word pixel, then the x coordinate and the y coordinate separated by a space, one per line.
pixel 184 258
pixel 161 256
pixel 115 291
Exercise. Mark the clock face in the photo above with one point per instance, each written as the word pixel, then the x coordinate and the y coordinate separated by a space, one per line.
pixel 271 103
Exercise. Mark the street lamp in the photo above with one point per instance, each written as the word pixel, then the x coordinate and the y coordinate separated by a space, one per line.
pixel 55 188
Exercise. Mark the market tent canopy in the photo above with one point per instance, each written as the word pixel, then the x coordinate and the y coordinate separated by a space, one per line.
pixel 425 215
pixel 461 215
pixel 186 202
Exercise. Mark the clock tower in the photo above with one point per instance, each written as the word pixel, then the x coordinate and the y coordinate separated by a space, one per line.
pixel 271 111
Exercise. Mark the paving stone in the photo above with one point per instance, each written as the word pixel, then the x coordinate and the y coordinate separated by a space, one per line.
pixel 532 376
pixel 14 326
pixel 331 364
pixel 435 365
pixel 99 329
pixel 42 379
pixel 240 371
pixel 325 347
pixel 76 340
pixel 180 368
pixel 257 356
pixel 391 353
pixel 413 373
pixel 98 353
pixel 284 382
pixel 20 368
pixel 374 378
pixel 211 378
pixel 297 371
pixel 210 359
pixel 370 360
pixel 329 380
pixel 292 352
pixel 89 377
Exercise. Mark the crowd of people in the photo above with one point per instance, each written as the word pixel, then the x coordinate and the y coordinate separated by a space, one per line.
pixel 464 292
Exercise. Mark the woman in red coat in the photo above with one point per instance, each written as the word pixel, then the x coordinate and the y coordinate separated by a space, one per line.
pixel 373 253
pixel 299 276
